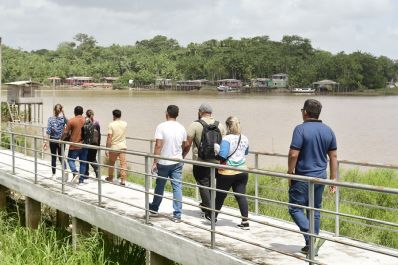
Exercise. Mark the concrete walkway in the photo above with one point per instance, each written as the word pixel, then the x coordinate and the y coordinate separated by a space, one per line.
pixel 265 237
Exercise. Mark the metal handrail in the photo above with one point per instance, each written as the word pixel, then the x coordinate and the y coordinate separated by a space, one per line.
pixel 311 181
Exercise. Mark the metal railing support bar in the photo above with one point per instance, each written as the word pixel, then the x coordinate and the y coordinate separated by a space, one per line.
pixel 147 183
pixel 256 210
pixel 151 152
pixel 337 204
pixel 25 143
pixel 63 178
pixel 13 152
pixel 311 197
pixel 98 174
pixel 35 152
pixel 213 206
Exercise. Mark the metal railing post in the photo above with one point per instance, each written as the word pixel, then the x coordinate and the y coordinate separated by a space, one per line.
pixel 43 137
pixel 25 143
pixel 311 204
pixel 12 145
pixel 35 148
pixel 99 159
pixel 147 181
pixel 337 204
pixel 256 209
pixel 151 151
pixel 213 206
pixel 63 168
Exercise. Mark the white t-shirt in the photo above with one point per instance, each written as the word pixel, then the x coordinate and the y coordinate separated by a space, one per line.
pixel 173 135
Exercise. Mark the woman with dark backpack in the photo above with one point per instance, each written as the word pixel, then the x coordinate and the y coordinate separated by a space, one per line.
pixel 55 127
pixel 232 152
pixel 95 140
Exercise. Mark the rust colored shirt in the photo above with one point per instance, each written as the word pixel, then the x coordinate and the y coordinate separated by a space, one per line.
pixel 74 126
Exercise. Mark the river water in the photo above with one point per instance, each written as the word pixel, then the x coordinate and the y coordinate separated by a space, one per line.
pixel 366 127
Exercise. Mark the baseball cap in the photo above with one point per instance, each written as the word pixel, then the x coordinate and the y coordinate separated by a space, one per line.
pixel 206 108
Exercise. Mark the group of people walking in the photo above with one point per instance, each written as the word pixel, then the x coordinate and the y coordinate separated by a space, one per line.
pixel 86 130
pixel 211 141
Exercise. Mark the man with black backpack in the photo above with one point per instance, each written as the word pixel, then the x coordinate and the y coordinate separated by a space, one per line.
pixel 92 135
pixel 204 133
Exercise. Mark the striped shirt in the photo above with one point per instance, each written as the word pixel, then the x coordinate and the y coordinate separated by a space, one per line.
pixel 55 127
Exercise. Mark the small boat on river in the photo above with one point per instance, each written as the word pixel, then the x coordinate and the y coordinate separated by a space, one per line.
pixel 223 88
pixel 303 90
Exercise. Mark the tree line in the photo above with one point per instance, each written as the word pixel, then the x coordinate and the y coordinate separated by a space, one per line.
pixel 163 57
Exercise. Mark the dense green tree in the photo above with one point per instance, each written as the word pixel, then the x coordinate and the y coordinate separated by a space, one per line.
pixel 162 57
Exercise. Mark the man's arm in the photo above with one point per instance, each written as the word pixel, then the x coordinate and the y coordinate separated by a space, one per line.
pixel 66 131
pixel 108 142
pixel 333 167
pixel 184 143
pixel 186 146
pixel 292 161
pixel 156 151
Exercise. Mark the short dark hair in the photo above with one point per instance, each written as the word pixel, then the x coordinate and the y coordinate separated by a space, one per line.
pixel 313 108
pixel 117 113
pixel 78 110
pixel 172 110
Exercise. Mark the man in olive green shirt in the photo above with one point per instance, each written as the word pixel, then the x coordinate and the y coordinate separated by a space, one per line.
pixel 194 135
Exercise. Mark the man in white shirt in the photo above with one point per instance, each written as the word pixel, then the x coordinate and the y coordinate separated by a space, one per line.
pixel 170 139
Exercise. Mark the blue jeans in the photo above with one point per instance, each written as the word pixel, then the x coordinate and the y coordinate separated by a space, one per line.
pixel 82 155
pixel 174 172
pixel 298 194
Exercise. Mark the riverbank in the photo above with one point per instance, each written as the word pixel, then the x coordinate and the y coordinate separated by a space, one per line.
pixel 209 90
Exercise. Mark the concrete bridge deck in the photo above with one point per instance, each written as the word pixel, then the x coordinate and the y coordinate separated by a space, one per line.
pixel 186 242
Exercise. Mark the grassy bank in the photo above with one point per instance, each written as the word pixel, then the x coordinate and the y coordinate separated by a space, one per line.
pixel 352 201
pixel 46 245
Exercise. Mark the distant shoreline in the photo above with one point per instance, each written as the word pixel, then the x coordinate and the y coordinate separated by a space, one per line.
pixel 210 91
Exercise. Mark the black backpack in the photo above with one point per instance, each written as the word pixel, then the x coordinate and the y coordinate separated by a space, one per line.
pixel 88 132
pixel 211 134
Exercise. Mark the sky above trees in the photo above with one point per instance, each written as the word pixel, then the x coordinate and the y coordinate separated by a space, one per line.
pixel 355 25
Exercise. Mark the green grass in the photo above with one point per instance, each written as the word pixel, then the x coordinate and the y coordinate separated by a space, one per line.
pixel 49 246
pixel 351 202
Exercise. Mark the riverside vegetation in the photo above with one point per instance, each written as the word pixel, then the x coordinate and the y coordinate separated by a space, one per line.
pixel 48 246
pixel 352 201
pixel 162 57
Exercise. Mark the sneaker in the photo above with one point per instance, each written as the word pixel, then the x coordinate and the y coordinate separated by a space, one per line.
pixel 153 213
pixel 208 217
pixel 109 179
pixel 75 178
pixel 122 183
pixel 244 225
pixel 318 244
pixel 66 176
pixel 176 219
pixel 305 249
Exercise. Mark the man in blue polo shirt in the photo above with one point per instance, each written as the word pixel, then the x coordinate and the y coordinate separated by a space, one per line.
pixel 312 143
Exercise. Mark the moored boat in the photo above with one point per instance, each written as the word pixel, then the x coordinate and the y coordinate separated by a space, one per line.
pixel 303 90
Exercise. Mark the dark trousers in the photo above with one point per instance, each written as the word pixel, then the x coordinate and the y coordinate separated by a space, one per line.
pixel 238 184
pixel 92 158
pixel 55 149
pixel 202 177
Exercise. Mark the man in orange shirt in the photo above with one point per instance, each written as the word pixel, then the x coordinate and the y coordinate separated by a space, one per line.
pixel 74 129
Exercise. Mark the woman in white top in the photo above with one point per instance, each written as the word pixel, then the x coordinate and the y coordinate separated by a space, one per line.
pixel 233 151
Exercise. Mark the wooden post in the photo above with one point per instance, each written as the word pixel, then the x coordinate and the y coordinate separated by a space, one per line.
pixel 62 220
pixel 32 213
pixel 79 228
pixel 3 198
pixel 152 258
